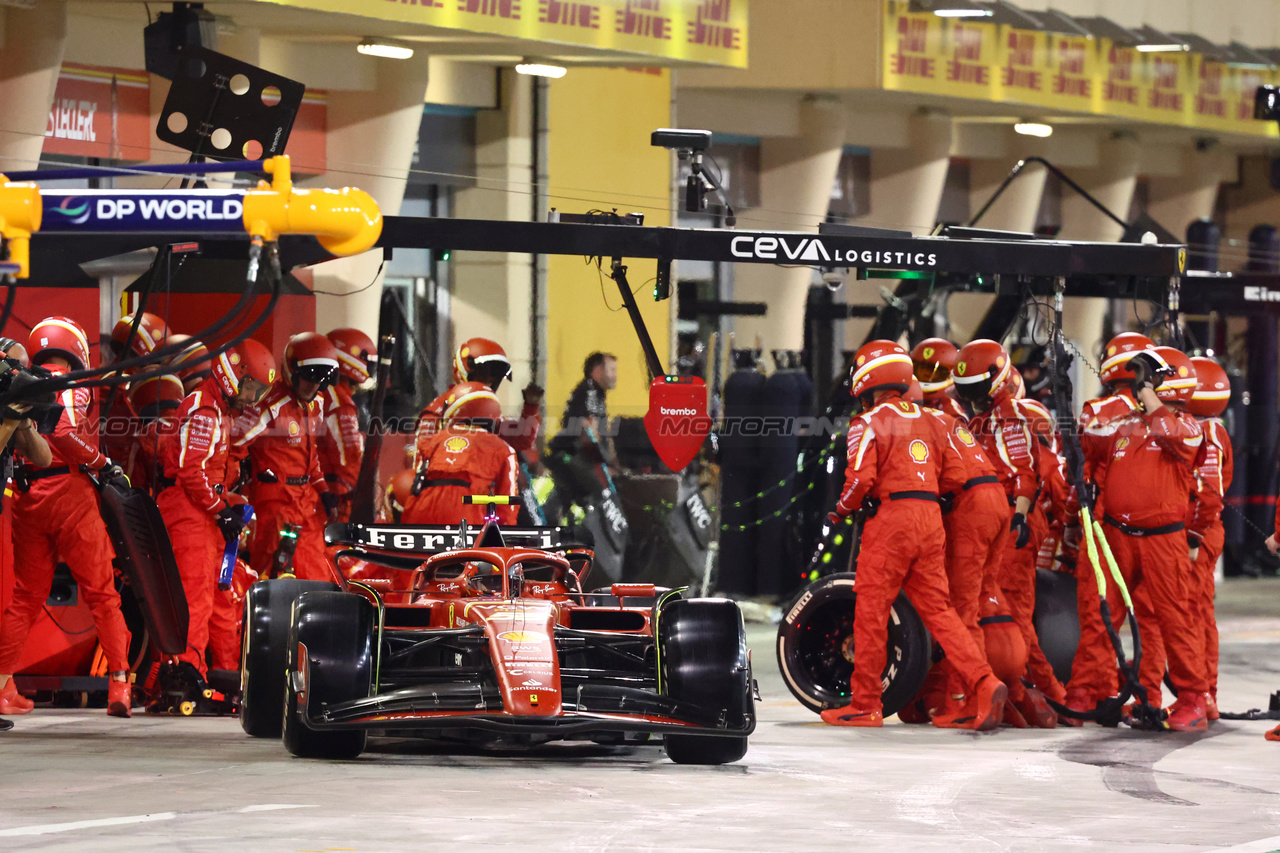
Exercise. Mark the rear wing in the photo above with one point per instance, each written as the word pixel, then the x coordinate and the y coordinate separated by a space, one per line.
pixel 427 539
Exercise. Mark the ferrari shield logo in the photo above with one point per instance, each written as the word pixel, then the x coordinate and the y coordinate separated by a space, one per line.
pixel 960 368
pixel 1182 260
pixel 928 353
pixel 919 450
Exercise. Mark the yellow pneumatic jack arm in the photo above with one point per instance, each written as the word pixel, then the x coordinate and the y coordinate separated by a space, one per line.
pixel 345 221
pixel 20 212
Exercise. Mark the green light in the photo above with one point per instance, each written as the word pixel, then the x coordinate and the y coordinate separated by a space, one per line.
pixel 826 558
pixel 838 541
pixel 813 575
pixel 444 256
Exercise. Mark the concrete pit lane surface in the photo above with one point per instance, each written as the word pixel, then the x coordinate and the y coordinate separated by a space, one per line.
pixel 78 780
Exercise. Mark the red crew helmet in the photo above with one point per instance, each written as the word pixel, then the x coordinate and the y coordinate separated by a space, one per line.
pixel 310 356
pixel 156 396
pixel 1121 348
pixel 192 363
pixel 982 369
pixel 915 394
pixel 152 333
pixel 357 354
pixel 1016 385
pixel 59 337
pixel 1213 389
pixel 934 360
pixel 481 360
pixel 1180 384
pixel 878 366
pixel 471 401
pixel 247 359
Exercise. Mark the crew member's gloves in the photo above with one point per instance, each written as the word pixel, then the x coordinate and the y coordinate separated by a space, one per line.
pixel 946 502
pixel 1072 535
pixel 1193 549
pixel 533 394
pixel 112 474
pixel 870 506
pixel 330 502
pixel 1147 371
pixel 230 523
pixel 1021 530
pixel 835 519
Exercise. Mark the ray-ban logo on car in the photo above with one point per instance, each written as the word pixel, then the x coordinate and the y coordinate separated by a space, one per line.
pixel 813 249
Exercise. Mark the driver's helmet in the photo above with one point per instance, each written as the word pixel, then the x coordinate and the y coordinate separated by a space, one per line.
pixel 482 578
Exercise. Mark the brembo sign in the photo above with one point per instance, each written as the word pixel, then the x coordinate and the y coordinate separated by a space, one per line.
pixel 141 210
pixel 812 249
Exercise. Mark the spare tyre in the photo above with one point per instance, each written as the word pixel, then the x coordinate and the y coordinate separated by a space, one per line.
pixel 815 647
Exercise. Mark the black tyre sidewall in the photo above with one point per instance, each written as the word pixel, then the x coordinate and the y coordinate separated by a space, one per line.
pixel 909 647
pixel 338 631
pixel 703 660
pixel 268 607
pixel 1057 620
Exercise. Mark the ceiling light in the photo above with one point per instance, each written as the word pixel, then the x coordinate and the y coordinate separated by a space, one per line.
pixel 541 69
pixel 383 48
pixel 1033 128
pixel 1163 48
pixel 963 13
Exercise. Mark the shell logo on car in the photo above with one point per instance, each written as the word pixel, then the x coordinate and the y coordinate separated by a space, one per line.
pixel 520 637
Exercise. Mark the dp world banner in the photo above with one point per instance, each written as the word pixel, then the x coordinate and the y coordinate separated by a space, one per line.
pixel 966 58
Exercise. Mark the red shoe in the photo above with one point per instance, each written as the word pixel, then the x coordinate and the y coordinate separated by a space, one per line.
pixel 1076 700
pixel 119 699
pixel 851 716
pixel 1037 711
pixel 1188 714
pixel 1013 717
pixel 1273 735
pixel 12 702
pixel 984 710
pixel 1211 706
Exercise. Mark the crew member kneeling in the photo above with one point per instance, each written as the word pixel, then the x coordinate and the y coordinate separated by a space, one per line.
pixel 465 458
pixel 897 458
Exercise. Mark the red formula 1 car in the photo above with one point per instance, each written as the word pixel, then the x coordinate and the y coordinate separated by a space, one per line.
pixel 489 636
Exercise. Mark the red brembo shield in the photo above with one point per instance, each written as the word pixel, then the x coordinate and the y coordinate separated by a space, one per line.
pixel 677 421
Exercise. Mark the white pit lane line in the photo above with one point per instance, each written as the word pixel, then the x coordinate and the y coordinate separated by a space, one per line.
pixel 1262 845
pixel 74 826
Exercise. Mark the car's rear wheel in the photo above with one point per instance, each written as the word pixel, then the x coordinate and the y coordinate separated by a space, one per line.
pixel 335 632
pixel 702 649
pixel 267 608
pixel 815 647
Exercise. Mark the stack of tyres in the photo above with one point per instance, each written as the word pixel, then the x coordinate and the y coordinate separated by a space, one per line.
pixel 788 396
pixel 740 475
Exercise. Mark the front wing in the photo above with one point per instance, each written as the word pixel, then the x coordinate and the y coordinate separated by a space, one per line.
pixel 587 709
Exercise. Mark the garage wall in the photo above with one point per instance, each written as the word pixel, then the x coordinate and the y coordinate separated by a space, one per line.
pixel 599 157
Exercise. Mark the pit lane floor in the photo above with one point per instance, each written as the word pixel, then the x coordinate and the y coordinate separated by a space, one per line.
pixel 77 780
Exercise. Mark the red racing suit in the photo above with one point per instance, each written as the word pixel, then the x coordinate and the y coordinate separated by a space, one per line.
pixel 57 519
pixel 197 477
pixel 903 458
pixel 1213 478
pixel 521 433
pixel 341 444
pixel 462 460
pixel 975 526
pixel 1147 477
pixel 1093 670
pixel 1007 439
pixel 948 405
pixel 281 434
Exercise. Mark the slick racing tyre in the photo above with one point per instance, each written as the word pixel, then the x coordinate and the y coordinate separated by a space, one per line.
pixel 815 647
pixel 335 631
pixel 702 660
pixel 267 608
pixel 1056 620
